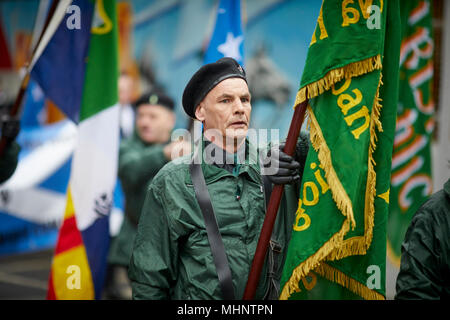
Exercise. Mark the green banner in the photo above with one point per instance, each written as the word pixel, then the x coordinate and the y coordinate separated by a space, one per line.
pixel 338 244
pixel 411 160
pixel 102 68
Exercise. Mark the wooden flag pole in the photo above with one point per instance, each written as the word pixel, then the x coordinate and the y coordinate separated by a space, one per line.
pixel 25 80
pixel 272 208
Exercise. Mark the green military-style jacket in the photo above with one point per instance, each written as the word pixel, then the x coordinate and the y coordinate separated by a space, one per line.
pixel 425 262
pixel 171 256
pixel 138 164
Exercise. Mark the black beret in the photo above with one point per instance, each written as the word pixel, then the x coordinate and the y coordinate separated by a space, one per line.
pixel 155 98
pixel 206 78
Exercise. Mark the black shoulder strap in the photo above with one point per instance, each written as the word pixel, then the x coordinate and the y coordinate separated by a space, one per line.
pixel 212 229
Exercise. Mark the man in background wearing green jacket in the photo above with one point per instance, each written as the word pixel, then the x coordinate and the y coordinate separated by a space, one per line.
pixel 172 255
pixel 141 156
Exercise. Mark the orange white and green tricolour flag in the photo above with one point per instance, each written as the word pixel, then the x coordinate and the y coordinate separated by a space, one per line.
pixel 78 71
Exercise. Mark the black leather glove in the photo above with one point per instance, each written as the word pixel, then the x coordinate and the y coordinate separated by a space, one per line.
pixel 10 127
pixel 281 168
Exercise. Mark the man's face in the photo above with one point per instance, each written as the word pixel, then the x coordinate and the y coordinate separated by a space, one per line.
pixel 125 89
pixel 227 108
pixel 154 123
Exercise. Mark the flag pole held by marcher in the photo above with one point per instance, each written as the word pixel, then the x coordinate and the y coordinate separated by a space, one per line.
pixel 14 111
pixel 274 203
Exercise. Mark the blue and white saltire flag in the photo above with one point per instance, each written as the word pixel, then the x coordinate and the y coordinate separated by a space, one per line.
pixel 227 39
pixel 32 200
pixel 78 71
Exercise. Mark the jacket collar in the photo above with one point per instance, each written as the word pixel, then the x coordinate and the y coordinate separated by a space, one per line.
pixel 214 158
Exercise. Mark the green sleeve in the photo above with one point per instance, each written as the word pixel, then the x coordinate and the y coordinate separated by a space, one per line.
pixel 8 161
pixel 153 266
pixel 138 166
pixel 419 277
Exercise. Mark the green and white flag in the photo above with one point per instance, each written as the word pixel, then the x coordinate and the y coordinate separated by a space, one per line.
pixel 338 244
pixel 411 160
pixel 78 71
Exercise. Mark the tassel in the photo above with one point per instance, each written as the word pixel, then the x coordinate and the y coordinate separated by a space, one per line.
pixel 332 274
pixel 336 247
pixel 350 70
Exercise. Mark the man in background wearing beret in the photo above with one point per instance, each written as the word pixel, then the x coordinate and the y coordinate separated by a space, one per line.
pixel 174 255
pixel 141 156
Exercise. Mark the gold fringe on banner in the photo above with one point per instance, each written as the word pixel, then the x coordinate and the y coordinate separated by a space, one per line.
pixel 338 192
pixel 335 275
pixel 350 70
pixel 342 201
pixel 336 247
pixel 360 244
pixel 369 208
pixel 313 261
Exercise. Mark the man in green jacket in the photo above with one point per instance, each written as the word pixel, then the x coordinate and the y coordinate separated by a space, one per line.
pixel 172 255
pixel 425 263
pixel 140 157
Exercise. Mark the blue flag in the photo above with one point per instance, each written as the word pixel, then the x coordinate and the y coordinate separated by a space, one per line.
pixel 34 110
pixel 227 39
pixel 60 70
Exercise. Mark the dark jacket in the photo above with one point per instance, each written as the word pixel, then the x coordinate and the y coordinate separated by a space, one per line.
pixel 8 161
pixel 171 255
pixel 425 261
